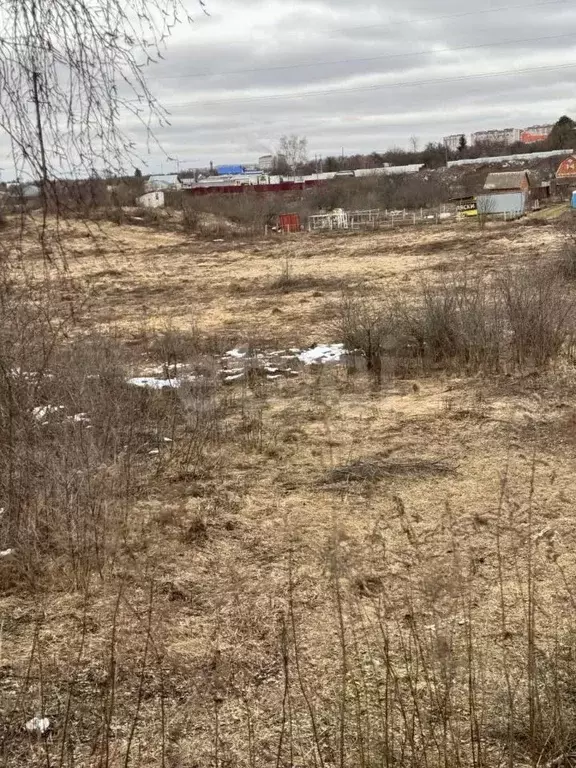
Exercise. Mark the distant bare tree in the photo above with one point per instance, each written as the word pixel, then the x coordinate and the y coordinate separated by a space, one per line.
pixel 295 149
pixel 414 143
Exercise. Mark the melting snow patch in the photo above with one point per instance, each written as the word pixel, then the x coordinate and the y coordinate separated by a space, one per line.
pixel 39 725
pixel 235 377
pixel 239 354
pixel 6 552
pixel 151 383
pixel 42 411
pixel 81 418
pixel 323 353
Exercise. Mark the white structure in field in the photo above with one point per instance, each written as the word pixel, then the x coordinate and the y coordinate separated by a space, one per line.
pixel 336 219
pixel 152 199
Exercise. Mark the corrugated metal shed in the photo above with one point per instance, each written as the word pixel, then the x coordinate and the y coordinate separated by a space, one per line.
pixel 507 180
pixel 510 203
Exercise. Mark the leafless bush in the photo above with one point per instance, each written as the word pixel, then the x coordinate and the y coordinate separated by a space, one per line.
pixel 465 323
pixel 567 259
pixel 173 347
pixel 370 329
pixel 289 281
pixel 230 215
pixel 457 324
pixel 75 441
pixel 540 314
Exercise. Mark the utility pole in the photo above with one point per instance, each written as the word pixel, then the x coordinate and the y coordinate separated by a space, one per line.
pixel 44 165
pixel 36 99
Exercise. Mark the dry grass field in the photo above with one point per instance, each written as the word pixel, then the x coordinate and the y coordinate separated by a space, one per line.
pixel 331 567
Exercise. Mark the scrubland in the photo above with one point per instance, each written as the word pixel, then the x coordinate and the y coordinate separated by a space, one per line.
pixel 255 561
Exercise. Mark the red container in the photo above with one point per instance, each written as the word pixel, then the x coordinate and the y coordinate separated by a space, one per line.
pixel 289 222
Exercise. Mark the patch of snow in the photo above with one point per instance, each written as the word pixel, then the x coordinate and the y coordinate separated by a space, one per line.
pixel 81 418
pixel 322 353
pixel 235 377
pixel 154 452
pixel 40 412
pixel 237 353
pixel 39 725
pixel 273 378
pixel 6 552
pixel 168 440
pixel 152 383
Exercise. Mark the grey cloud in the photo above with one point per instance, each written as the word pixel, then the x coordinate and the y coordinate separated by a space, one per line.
pixel 216 113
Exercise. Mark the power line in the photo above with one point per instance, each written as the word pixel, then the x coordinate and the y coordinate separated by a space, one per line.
pixel 484 11
pixel 366 59
pixel 339 91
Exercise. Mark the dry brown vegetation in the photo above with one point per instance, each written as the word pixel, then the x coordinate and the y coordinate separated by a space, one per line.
pixel 368 564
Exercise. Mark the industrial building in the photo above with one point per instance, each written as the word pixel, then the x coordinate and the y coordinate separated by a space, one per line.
pixel 497 136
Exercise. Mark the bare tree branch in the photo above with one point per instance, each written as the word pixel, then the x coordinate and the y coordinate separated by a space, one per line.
pixel 70 70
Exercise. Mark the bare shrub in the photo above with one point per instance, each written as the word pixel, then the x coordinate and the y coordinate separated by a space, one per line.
pixel 369 329
pixel 172 347
pixel 463 324
pixel 220 215
pixel 457 324
pixel 190 219
pixel 288 281
pixel 567 260
pixel 540 314
pixel 76 441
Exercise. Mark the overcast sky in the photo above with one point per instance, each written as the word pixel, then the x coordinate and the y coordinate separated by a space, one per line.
pixel 359 75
